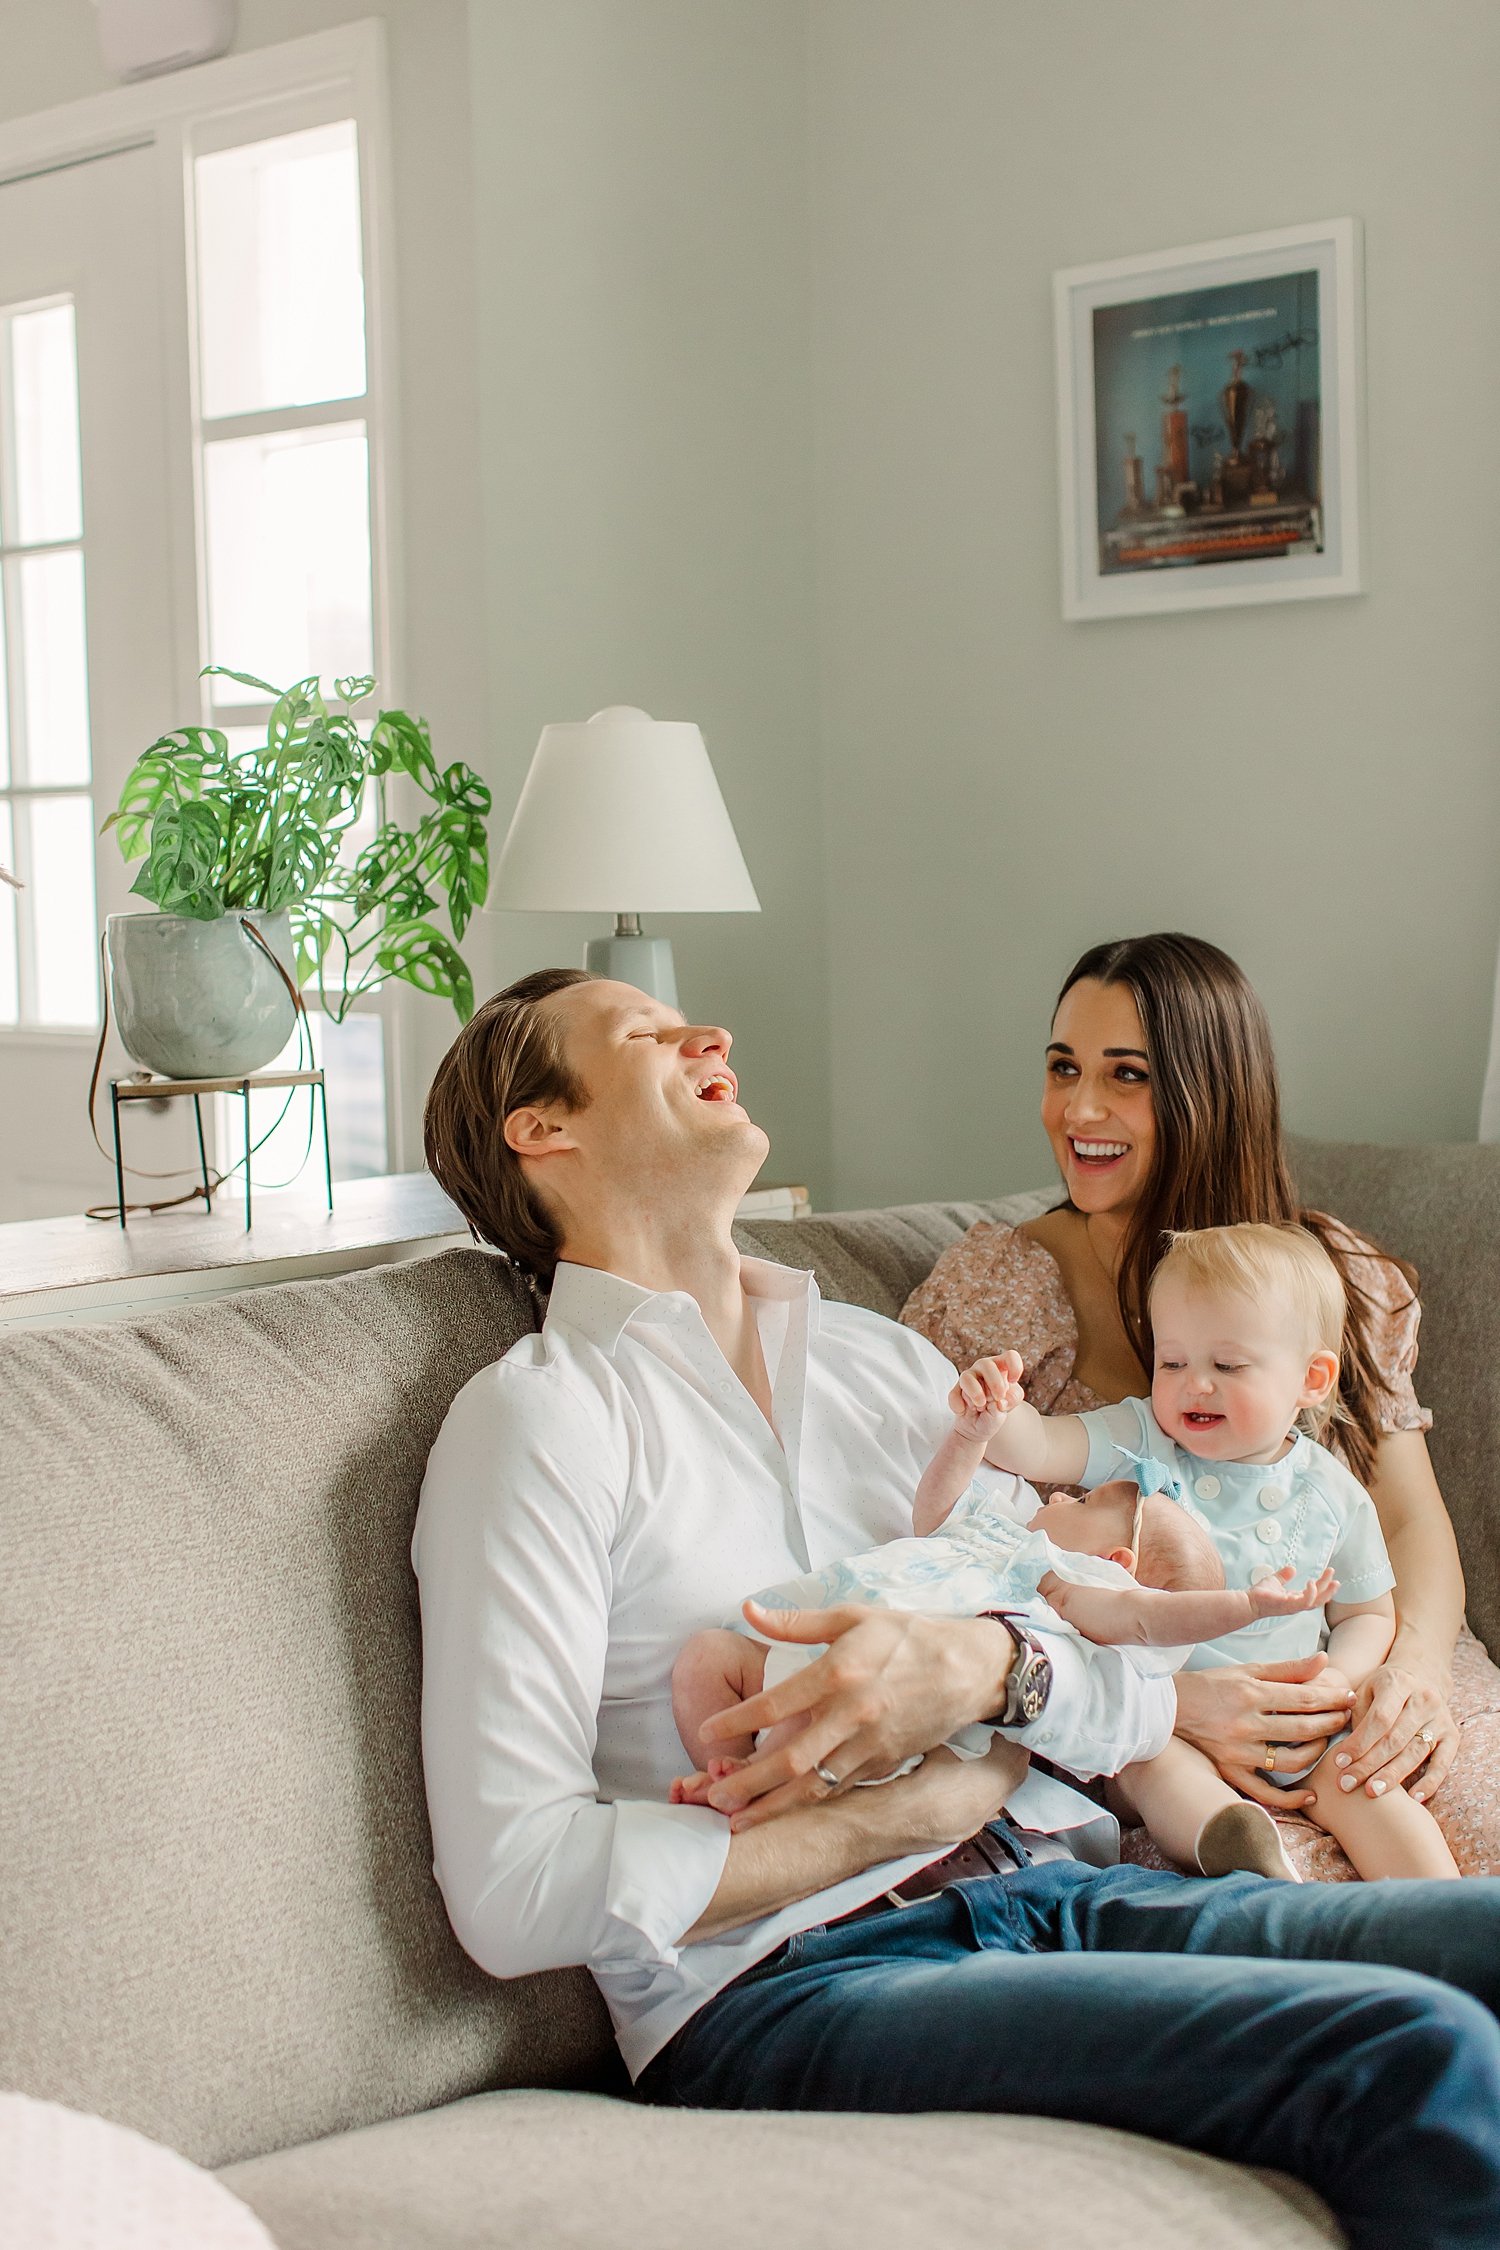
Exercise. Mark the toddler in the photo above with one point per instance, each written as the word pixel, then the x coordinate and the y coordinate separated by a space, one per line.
pixel 1247 1324
pixel 1124 1566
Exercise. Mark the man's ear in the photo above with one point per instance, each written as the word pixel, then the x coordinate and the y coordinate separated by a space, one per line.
pixel 537 1132
pixel 1322 1379
pixel 1126 1557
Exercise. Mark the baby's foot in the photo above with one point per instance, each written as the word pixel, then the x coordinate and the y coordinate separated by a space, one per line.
pixel 693 1788
pixel 1243 1839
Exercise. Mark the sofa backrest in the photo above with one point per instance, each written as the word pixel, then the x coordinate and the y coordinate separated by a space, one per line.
pixel 1438 1207
pixel 218 1921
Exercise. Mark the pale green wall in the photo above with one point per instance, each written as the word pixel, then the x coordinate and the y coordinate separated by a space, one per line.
pixel 1312 785
pixel 727 388
pixel 641 227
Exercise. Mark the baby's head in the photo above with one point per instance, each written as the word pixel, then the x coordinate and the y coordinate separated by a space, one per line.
pixel 1155 1539
pixel 1247 1324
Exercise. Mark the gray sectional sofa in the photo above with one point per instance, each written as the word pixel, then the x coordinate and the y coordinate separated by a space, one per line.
pixel 218 1922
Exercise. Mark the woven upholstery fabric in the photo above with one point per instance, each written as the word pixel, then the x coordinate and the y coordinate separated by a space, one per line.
pixel 1438 1207
pixel 516 2171
pixel 876 1258
pixel 218 1922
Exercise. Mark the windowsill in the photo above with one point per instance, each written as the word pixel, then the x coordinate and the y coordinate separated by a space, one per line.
pixel 57 1271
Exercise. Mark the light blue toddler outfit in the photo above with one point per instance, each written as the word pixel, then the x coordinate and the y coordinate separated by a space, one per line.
pixel 1305 1509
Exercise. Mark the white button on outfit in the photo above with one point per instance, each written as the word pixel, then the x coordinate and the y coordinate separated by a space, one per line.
pixel 1271 1496
pixel 1261 1573
pixel 1268 1532
pixel 596 1496
pixel 1207 1488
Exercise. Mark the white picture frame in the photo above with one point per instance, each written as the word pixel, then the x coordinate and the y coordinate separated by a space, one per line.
pixel 1277 516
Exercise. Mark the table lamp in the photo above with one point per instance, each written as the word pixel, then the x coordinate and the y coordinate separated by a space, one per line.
pixel 620 814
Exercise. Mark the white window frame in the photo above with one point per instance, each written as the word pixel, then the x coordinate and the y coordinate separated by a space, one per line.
pixel 249 97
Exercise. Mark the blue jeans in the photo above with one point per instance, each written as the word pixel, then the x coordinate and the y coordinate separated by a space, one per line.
pixel 1343 2033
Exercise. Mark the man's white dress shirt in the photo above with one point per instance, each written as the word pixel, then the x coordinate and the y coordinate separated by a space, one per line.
pixel 606 1489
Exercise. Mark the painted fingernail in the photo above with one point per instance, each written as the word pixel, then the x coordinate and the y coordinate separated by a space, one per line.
pixel 1377 1788
pixel 1346 1781
pixel 1342 1759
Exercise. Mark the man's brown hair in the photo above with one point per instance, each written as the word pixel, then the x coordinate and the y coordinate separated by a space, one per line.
pixel 509 1056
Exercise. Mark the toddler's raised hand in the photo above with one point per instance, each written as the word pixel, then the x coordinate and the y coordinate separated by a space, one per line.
pixel 1277 1597
pixel 984 1394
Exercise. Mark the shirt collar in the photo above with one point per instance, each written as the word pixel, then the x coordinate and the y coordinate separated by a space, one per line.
pixel 600 1306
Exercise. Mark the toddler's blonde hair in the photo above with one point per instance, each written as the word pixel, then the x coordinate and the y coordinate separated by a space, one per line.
pixel 1254 1260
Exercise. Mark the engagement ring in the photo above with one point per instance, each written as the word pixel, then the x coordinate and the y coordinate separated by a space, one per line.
pixel 1424 1735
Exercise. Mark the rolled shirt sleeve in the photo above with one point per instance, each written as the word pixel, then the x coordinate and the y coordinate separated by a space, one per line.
pixel 512 1553
pixel 1104 1712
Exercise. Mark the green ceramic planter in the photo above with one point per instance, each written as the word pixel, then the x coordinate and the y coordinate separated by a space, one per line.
pixel 200 999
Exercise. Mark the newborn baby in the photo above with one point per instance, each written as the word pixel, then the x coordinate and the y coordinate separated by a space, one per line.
pixel 1118 1567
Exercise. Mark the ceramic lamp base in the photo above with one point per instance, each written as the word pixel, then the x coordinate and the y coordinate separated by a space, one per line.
pixel 645 962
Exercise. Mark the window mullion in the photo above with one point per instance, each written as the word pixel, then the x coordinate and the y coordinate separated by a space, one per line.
pixel 270 420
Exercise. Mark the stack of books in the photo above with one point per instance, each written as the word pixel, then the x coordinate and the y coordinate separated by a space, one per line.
pixel 774 1202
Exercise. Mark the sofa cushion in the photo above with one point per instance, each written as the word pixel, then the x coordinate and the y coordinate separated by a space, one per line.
pixel 218 1921
pixel 512 2171
pixel 877 1258
pixel 1439 1208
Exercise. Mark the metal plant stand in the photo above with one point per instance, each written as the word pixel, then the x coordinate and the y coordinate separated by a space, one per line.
pixel 139 1089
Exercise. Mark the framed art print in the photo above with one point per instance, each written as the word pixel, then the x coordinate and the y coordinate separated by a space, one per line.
pixel 1209 406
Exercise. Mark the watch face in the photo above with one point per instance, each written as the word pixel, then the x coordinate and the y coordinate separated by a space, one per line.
pixel 1036 1686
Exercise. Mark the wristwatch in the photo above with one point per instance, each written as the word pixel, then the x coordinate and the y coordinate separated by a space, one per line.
pixel 1029 1681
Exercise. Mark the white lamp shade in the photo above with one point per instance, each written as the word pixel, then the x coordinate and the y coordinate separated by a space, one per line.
pixel 621 814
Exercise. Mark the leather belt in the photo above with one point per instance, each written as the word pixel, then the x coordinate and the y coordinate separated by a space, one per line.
pixel 996 1850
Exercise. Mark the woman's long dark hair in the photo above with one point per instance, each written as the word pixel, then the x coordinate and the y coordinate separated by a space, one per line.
pixel 1220 1159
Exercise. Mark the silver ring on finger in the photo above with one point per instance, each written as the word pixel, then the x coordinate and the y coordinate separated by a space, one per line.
pixel 1426 1737
pixel 830 1780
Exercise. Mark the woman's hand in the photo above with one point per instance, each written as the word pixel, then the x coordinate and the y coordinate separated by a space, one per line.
pixel 1401 1702
pixel 888 1686
pixel 1234 1713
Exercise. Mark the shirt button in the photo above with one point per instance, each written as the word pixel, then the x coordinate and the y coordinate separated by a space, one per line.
pixel 1268 1532
pixel 1270 1496
pixel 1207 1488
pixel 1261 1573
pixel 727 1389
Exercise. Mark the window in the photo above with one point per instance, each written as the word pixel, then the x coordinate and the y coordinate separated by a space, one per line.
pixel 48 973
pixel 284 442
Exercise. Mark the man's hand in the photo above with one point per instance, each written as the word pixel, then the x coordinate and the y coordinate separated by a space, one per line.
pixel 889 1686
pixel 984 1395
pixel 946 1800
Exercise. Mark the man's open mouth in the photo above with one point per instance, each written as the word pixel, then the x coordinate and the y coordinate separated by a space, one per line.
pixel 721 1087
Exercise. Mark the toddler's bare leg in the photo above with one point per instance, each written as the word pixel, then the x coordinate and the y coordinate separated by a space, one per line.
pixel 1199 1821
pixel 1384 1836
pixel 714 1671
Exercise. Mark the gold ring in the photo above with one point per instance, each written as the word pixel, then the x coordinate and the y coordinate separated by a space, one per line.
pixel 1270 1757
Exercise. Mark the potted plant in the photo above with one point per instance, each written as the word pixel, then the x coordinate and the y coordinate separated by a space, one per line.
pixel 245 859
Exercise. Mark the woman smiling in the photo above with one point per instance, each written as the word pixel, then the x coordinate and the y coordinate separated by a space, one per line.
pixel 1162 1106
